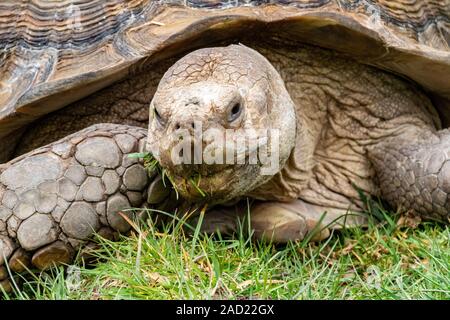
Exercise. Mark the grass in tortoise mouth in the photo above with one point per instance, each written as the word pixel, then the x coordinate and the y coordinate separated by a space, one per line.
pixel 151 164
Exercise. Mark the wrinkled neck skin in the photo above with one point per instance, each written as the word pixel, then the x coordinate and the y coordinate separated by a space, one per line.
pixel 300 164
pixel 343 109
pixel 233 75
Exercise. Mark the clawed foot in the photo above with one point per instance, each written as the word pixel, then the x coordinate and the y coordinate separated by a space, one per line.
pixel 280 222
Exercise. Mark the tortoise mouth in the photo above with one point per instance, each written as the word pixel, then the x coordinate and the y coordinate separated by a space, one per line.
pixel 215 186
pixel 187 171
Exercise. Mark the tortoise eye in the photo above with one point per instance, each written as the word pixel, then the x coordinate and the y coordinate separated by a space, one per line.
pixel 235 112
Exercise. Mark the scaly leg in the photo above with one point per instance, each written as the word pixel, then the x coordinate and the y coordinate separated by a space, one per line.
pixel 281 222
pixel 53 199
pixel 414 172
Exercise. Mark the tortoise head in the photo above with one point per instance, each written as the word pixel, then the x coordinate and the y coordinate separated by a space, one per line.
pixel 221 123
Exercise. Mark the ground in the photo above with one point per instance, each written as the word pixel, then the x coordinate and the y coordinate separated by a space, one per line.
pixel 393 258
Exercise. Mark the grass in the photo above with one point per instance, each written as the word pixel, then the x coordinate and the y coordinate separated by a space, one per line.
pixel 382 261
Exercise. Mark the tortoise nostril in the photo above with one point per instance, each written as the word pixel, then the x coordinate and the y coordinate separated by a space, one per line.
pixel 193 101
pixel 178 125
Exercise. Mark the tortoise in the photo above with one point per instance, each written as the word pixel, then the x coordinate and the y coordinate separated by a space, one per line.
pixel 350 96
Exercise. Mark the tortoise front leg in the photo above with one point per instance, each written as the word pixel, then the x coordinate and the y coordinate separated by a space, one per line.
pixel 281 222
pixel 413 171
pixel 53 199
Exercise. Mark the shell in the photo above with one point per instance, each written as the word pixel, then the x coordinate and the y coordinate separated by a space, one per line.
pixel 54 53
